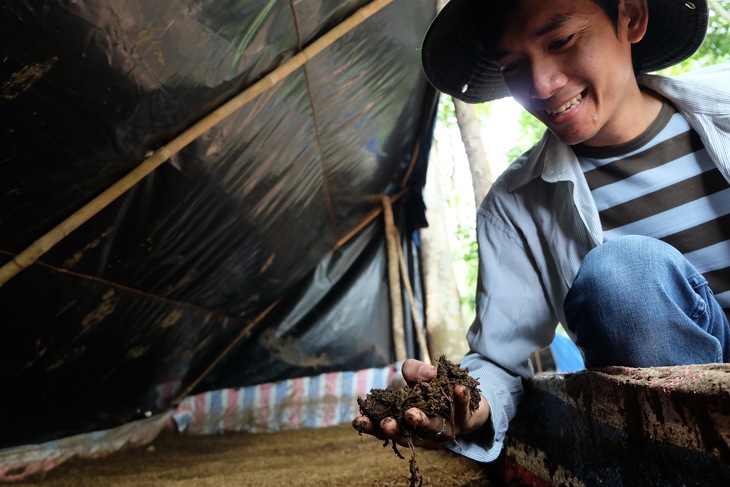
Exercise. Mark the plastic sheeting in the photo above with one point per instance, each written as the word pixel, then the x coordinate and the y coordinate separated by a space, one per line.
pixel 126 313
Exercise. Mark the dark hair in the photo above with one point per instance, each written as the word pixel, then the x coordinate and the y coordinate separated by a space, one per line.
pixel 611 9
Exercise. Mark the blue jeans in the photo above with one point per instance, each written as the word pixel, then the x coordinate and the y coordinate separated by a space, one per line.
pixel 638 302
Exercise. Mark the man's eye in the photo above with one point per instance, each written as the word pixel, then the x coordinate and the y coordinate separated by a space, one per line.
pixel 562 42
pixel 509 68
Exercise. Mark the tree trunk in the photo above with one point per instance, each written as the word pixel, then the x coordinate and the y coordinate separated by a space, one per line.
pixel 446 329
pixel 445 325
pixel 470 127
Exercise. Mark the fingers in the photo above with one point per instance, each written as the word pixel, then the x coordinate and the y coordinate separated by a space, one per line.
pixel 430 426
pixel 414 370
pixel 429 432
pixel 466 419
pixel 462 413
pixel 388 427
pixel 362 424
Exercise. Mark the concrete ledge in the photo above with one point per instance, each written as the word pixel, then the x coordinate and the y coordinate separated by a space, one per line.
pixel 620 426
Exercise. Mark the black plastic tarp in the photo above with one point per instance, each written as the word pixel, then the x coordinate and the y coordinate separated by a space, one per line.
pixel 253 243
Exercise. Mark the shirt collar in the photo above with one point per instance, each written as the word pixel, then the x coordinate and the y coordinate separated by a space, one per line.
pixel 549 159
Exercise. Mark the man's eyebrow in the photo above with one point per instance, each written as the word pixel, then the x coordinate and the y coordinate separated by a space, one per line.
pixel 553 24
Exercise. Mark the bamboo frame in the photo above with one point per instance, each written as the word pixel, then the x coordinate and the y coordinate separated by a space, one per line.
pixel 365 221
pixel 28 256
pixel 420 329
pixel 396 301
pixel 246 331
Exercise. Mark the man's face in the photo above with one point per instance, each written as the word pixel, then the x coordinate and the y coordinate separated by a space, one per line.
pixel 565 62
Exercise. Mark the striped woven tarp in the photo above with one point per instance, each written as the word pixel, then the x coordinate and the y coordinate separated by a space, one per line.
pixel 305 402
pixel 19 462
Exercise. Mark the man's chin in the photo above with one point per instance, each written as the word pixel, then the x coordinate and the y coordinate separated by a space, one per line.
pixel 570 139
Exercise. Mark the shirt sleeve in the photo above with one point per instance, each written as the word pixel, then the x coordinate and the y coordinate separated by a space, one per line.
pixel 513 320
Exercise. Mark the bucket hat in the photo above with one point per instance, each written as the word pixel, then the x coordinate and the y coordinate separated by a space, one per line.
pixel 454 54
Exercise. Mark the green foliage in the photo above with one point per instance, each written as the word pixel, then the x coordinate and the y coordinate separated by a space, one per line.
pixel 531 129
pixel 446 114
pixel 468 252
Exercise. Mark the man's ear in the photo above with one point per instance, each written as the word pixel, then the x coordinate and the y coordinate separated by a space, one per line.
pixel 634 17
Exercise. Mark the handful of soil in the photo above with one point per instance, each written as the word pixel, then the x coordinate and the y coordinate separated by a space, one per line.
pixel 435 398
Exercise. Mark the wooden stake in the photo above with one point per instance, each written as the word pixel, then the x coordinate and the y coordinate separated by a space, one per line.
pixel 28 256
pixel 420 329
pixel 396 302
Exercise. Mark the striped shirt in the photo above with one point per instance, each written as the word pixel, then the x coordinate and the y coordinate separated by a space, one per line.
pixel 663 184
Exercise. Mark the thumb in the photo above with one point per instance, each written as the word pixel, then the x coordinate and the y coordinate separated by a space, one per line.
pixel 414 370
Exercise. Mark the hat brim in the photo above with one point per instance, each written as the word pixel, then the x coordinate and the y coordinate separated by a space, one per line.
pixel 455 61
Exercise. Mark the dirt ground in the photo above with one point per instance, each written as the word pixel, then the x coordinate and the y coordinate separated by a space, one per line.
pixel 326 457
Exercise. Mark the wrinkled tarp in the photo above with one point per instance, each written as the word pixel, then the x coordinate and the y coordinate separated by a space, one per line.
pixel 145 296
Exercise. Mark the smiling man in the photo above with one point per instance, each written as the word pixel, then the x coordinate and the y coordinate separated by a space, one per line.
pixel 570 66
pixel 616 223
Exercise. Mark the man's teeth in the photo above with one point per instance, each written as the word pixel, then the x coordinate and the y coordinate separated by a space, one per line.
pixel 565 107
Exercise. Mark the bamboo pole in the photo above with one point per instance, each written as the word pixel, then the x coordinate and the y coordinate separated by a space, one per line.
pixel 367 220
pixel 420 329
pixel 28 256
pixel 223 354
pixel 396 302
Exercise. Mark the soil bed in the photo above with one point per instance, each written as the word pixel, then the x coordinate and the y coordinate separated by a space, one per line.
pixel 326 457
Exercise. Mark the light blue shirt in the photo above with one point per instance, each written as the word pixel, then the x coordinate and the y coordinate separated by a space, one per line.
pixel 534 228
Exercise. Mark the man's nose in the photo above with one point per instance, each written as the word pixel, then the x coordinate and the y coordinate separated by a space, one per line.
pixel 546 78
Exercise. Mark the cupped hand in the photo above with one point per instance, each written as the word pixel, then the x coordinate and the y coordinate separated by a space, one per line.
pixel 430 432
